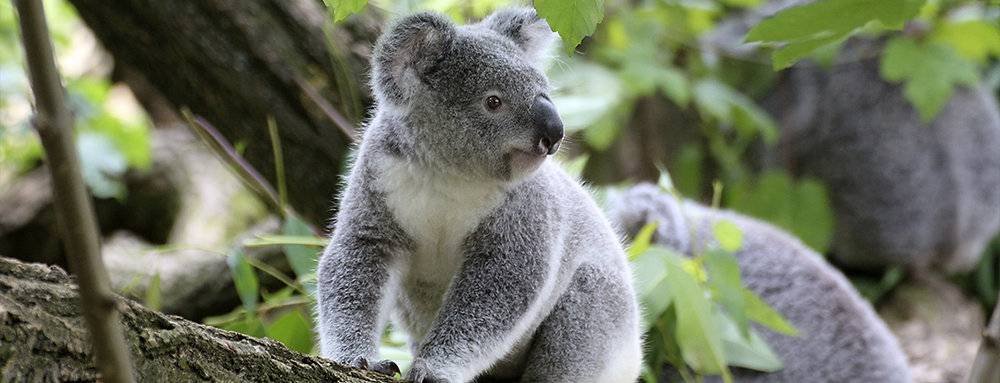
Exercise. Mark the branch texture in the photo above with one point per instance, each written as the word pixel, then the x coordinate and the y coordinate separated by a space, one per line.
pixel 42 338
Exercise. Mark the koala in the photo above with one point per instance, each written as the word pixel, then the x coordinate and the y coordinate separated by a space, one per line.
pixel 841 339
pixel 455 227
pixel 904 192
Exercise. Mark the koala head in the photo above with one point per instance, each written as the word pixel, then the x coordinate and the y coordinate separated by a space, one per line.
pixel 472 99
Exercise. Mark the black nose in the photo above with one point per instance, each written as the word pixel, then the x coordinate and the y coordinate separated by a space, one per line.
pixel 548 126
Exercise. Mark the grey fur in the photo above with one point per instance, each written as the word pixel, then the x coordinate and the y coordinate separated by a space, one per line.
pixel 497 265
pixel 904 192
pixel 841 338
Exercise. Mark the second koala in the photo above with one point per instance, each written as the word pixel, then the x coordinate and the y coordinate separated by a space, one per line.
pixel 495 262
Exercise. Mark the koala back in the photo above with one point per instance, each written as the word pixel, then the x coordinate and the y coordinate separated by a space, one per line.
pixel 841 338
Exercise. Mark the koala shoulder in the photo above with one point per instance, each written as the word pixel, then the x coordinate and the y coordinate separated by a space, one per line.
pixel 841 338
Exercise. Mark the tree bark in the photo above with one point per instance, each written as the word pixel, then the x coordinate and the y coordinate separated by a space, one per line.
pixel 235 63
pixel 43 339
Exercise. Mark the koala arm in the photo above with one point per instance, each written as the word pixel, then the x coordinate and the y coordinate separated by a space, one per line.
pixel 508 269
pixel 354 279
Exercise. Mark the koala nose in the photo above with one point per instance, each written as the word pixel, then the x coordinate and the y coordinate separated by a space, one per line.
pixel 548 126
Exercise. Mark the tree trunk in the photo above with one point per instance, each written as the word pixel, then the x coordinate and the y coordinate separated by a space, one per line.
pixel 235 63
pixel 43 339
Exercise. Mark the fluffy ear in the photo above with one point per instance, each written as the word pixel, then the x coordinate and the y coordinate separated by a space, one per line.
pixel 526 29
pixel 406 52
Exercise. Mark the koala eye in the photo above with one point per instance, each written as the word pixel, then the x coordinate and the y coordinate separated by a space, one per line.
pixel 493 103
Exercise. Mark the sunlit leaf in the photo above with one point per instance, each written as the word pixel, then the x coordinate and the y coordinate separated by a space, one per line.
pixel 293 330
pixel 729 235
pixel 975 40
pixel 809 26
pixel 727 287
pixel 302 258
pixel 650 275
pixel 245 279
pixel 747 351
pixel 573 20
pixel 340 9
pixel 642 240
pixel 759 311
pixel 700 343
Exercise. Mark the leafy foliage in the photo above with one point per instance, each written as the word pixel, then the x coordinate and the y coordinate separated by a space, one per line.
pixel 110 139
pixel 930 72
pixel 340 9
pixel 807 27
pixel 800 206
pixel 697 311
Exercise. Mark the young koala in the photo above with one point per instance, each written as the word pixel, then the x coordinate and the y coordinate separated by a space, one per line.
pixel 496 263
pixel 841 339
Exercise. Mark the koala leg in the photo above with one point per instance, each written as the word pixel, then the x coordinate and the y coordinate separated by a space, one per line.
pixel 591 335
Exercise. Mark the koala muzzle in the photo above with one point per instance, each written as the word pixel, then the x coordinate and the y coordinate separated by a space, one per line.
pixel 548 126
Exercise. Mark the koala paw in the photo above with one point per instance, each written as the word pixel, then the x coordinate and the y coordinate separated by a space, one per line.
pixel 386 366
pixel 420 372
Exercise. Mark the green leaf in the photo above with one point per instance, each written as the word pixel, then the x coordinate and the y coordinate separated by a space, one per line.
pixel 747 351
pixel 152 298
pixel 340 9
pixel 293 330
pixel 729 235
pixel 650 275
pixel 719 101
pixel 807 27
pixel 930 72
pixel 302 258
pixel 800 207
pixel 812 217
pixel 642 240
pixel 975 40
pixel 759 311
pixel 700 343
pixel 245 279
pixel 727 287
pixel 573 20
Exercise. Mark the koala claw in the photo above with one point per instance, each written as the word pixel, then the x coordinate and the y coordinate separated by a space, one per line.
pixel 385 366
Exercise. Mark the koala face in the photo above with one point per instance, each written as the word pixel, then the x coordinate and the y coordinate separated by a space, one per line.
pixel 473 99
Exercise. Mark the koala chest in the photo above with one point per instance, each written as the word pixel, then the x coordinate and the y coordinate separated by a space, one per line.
pixel 437 213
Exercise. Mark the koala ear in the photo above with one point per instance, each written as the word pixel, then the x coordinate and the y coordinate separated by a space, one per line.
pixel 526 29
pixel 406 52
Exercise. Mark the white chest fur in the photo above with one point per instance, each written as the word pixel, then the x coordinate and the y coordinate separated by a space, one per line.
pixel 437 212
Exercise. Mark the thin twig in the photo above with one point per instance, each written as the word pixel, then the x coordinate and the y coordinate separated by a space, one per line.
pixel 331 113
pixel 279 161
pixel 75 215
pixel 244 171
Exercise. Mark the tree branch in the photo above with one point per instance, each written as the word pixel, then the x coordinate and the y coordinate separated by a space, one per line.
pixel 75 215
pixel 42 339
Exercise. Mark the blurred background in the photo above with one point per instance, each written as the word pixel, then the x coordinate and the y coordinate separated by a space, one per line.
pixel 877 149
